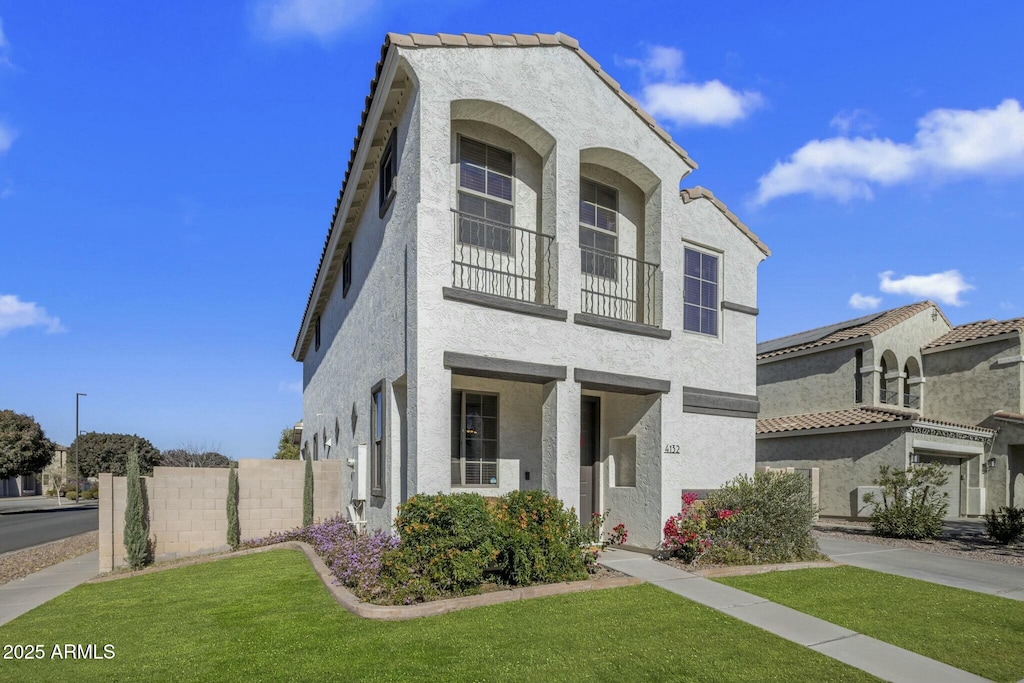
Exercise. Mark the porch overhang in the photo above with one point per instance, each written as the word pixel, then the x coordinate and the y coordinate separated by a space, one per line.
pixel 596 380
pixel 502 368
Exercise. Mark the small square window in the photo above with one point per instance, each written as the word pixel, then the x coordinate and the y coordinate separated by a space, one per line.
pixel 700 292
pixel 387 174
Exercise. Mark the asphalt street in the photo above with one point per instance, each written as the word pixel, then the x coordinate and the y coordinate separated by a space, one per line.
pixel 26 528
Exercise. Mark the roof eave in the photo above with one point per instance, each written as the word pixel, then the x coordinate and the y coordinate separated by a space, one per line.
pixel 387 74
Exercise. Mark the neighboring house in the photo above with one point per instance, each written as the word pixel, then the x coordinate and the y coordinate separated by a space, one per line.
pixel 897 387
pixel 55 473
pixel 514 294
pixel 32 484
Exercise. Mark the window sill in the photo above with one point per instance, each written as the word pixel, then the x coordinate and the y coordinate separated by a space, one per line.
pixel 468 296
pixel 616 325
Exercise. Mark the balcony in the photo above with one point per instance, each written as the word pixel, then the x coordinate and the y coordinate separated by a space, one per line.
pixel 618 286
pixel 501 260
pixel 912 401
pixel 889 397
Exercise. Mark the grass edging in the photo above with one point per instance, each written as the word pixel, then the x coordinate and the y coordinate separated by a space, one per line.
pixel 749 569
pixel 366 610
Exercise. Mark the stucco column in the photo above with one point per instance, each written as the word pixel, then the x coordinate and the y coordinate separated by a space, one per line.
pixel 567 237
pixel 871 385
pixel 429 428
pixel 560 441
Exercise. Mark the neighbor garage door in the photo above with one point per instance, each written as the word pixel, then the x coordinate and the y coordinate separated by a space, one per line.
pixel 952 487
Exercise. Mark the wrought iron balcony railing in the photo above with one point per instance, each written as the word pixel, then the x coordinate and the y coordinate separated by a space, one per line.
pixel 618 286
pixel 889 397
pixel 500 259
pixel 912 401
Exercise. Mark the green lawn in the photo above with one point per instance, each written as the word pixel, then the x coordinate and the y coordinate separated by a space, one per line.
pixel 268 617
pixel 979 633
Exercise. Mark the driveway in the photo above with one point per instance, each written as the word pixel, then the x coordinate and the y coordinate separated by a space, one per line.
pixel 984 577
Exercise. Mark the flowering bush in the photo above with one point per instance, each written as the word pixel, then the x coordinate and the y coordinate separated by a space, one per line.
pixel 687 534
pixel 537 539
pixel 619 535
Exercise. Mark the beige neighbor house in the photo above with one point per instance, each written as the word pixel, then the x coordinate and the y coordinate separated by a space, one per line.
pixel 514 293
pixel 897 387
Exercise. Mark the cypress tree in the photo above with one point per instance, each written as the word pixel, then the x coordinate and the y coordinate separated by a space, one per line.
pixel 136 526
pixel 234 538
pixel 307 494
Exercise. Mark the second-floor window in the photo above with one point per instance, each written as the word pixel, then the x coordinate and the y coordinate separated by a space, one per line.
pixel 485 195
pixel 599 213
pixel 346 271
pixel 386 175
pixel 700 296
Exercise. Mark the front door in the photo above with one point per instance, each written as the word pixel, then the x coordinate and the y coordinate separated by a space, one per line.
pixel 590 413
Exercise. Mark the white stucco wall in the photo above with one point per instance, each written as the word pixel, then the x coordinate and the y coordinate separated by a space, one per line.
pixel 560 121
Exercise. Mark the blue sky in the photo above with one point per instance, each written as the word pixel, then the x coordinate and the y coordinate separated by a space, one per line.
pixel 168 171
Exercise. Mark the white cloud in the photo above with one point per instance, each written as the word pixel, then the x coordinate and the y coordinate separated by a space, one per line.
pixel 945 287
pixel 858 120
pixel 15 313
pixel 5 46
pixel 1006 305
pixel 6 137
pixel 666 96
pixel 864 302
pixel 322 19
pixel 290 387
pixel 949 143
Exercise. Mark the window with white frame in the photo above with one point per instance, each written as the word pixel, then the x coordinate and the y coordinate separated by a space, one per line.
pixel 599 213
pixel 474 439
pixel 378 466
pixel 485 195
pixel 700 296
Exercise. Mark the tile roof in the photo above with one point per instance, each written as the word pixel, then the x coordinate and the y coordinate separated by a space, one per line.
pixel 866 415
pixel 1006 415
pixel 865 326
pixel 418 40
pixel 690 194
pixel 977 330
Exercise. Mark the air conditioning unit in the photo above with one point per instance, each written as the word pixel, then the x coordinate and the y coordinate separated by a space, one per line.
pixel 361 476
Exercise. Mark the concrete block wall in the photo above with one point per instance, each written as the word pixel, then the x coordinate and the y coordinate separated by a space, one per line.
pixel 188 506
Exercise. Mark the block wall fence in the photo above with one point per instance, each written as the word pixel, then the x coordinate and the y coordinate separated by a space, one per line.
pixel 188 505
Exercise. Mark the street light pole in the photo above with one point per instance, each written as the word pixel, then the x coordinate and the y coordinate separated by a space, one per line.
pixel 77 437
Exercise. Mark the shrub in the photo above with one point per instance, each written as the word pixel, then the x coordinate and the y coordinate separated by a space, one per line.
pixel 1005 526
pixel 687 535
pixel 307 494
pixel 233 535
pixel 136 527
pixel 71 494
pixel 762 519
pixel 87 494
pixel 448 539
pixel 912 505
pixel 537 539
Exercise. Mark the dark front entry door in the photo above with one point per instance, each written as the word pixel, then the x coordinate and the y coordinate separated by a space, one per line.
pixel 590 412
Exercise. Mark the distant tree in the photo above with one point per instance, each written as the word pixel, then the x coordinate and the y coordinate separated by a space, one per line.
pixel 24 448
pixel 307 495
pixel 192 455
pixel 234 537
pixel 136 526
pixel 286 448
pixel 99 452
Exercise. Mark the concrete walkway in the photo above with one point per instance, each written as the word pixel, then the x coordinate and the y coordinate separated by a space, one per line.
pixel 21 595
pixel 994 578
pixel 867 654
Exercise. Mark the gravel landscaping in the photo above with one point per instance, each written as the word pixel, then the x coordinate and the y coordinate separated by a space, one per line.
pixel 21 563
pixel 960 539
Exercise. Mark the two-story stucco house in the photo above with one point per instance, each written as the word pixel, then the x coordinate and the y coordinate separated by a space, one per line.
pixel 897 387
pixel 514 293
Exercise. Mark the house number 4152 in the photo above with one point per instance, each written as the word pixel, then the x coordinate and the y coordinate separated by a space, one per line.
pixel 672 448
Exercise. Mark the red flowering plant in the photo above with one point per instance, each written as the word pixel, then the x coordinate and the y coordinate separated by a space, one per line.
pixel 690 534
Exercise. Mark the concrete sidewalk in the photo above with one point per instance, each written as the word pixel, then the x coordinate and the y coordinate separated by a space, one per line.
pixel 867 654
pixel 21 595
pixel 994 578
pixel 31 503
